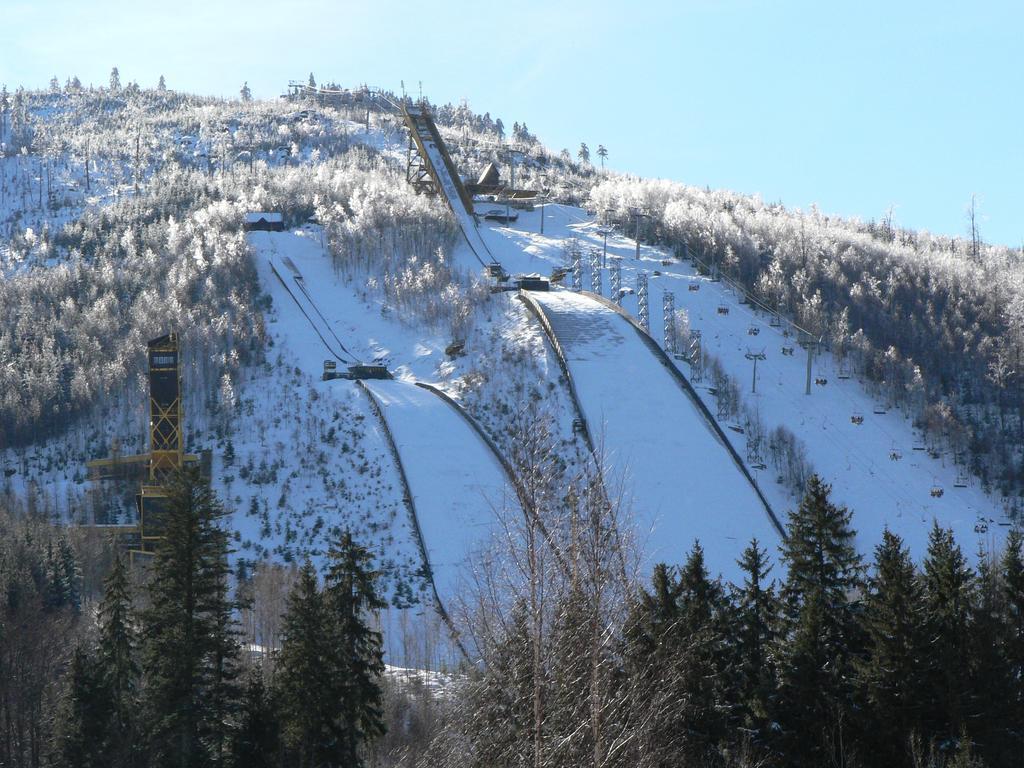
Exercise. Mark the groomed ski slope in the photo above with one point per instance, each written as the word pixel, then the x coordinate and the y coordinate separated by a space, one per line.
pixel 457 484
pixel 455 480
pixel 681 482
pixel 855 459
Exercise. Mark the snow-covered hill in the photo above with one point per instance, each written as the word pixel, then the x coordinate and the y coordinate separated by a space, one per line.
pixel 874 466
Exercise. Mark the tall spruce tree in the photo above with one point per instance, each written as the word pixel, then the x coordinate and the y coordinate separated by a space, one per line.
pixel 496 705
pixel 820 638
pixel 308 686
pixel 651 666
pixel 991 686
pixel 701 644
pixel 890 675
pixel 256 739
pixel 1013 586
pixel 117 665
pixel 350 590
pixel 189 655
pixel 949 585
pixel 754 620
pixel 84 715
pixel 675 660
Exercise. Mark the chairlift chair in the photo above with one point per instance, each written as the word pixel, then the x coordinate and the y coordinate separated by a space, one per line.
pixel 879 410
pixel 753 330
pixel 723 309
pixel 775 322
pixel 857 418
pixel 895 454
pixel 694 286
pixel 787 351
pixel 937 492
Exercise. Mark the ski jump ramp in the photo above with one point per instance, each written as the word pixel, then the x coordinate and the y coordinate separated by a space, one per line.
pixel 457 483
pixel 437 165
pixel 679 476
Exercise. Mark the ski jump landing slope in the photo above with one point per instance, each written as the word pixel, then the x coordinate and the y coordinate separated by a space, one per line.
pixel 678 476
pixel 457 483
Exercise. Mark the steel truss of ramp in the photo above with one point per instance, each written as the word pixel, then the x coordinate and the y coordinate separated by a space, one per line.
pixel 427 151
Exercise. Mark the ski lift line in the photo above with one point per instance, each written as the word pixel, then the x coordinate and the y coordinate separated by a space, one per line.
pixel 894 490
pixel 305 291
pixel 754 301
pixel 838 437
pixel 340 358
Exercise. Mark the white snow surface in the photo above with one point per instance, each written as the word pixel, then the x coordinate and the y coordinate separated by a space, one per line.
pixel 680 480
pixel 855 460
pixel 456 482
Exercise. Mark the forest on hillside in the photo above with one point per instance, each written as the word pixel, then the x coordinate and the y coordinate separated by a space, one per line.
pixel 572 657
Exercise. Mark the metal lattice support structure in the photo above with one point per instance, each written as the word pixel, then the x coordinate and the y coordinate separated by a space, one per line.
pixel 696 356
pixel 668 307
pixel 643 314
pixel 166 443
pixel 577 271
pixel 417 173
pixel 595 271
pixel 615 277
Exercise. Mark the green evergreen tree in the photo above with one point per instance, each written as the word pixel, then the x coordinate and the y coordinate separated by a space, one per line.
pixel 1013 611
pixel 84 715
pixel 351 595
pixel 308 687
pixel 117 666
pixel 991 686
pixel 820 638
pixel 949 585
pixel 702 655
pixel 189 655
pixel 256 740
pixel 890 675
pixel 650 662
pixel 754 620
pixel 675 663
pixel 567 703
pixel 496 708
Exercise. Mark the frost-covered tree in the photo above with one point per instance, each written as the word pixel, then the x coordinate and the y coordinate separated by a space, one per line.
pixel 115 80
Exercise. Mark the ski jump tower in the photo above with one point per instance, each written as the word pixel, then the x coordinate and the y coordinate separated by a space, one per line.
pixel 430 168
pixel 166 455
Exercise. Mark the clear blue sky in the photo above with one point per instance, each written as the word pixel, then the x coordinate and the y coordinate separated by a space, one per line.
pixel 854 106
